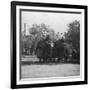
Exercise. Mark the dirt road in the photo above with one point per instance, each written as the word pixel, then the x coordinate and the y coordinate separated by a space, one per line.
pixel 58 70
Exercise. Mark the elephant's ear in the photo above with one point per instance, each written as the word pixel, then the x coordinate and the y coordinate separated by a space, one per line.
pixel 65 45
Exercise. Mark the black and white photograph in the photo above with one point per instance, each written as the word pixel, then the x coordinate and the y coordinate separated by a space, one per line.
pixel 49 44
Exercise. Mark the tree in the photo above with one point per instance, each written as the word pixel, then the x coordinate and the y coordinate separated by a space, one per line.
pixel 38 32
pixel 72 36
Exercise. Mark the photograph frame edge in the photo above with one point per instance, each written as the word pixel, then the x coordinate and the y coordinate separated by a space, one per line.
pixel 13 46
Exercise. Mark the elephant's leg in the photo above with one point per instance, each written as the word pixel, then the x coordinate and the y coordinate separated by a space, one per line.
pixel 58 59
pixel 54 59
pixel 40 60
pixel 44 60
pixel 49 60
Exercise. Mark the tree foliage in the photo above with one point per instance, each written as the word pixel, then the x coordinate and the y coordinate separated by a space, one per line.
pixel 36 33
pixel 72 36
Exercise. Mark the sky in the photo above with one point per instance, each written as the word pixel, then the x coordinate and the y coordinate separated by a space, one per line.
pixel 57 21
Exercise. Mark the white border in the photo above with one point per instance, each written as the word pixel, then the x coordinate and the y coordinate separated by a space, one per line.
pixel 50 80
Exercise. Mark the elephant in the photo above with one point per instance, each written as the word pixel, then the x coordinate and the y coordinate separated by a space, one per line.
pixel 43 50
pixel 48 51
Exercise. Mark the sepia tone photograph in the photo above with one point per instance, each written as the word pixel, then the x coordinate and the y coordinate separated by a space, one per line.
pixel 49 44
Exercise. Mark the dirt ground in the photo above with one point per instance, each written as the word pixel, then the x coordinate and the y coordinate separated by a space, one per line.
pixel 41 71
